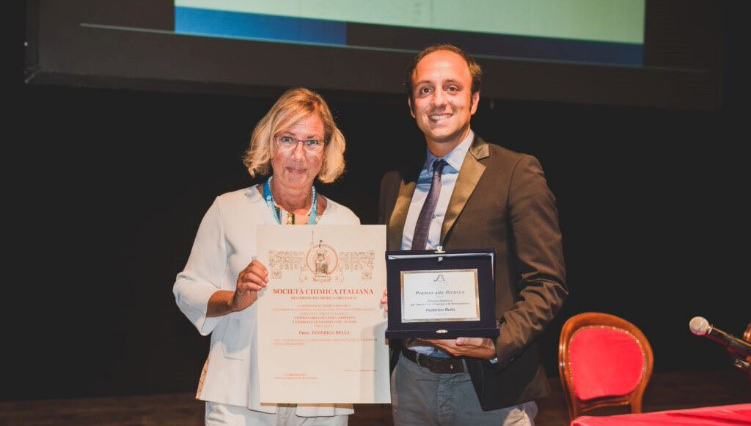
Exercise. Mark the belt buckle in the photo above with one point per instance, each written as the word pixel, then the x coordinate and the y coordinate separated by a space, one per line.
pixel 417 359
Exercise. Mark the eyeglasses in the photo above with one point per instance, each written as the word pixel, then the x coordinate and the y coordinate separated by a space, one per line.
pixel 288 143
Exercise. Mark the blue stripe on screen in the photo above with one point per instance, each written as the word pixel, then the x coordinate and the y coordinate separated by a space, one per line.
pixel 252 25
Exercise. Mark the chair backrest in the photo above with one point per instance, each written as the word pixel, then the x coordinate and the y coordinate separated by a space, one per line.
pixel 603 360
pixel 747 337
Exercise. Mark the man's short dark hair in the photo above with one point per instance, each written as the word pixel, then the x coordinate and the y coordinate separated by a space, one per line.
pixel 474 68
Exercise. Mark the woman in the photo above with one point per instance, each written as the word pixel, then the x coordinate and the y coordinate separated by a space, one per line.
pixel 296 141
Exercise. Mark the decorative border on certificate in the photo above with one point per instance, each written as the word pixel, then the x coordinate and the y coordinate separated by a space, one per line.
pixel 322 263
pixel 440 295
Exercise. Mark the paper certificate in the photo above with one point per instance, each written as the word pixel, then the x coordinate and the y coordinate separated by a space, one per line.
pixel 436 295
pixel 320 323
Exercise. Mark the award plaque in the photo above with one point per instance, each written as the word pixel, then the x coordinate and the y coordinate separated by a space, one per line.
pixel 441 294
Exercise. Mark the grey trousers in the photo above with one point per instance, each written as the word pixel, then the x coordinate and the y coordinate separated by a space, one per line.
pixel 420 397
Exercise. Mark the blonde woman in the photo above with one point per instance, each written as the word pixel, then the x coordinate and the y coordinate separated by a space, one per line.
pixel 296 142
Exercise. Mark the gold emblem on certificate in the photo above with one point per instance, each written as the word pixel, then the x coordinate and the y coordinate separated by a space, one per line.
pixel 322 261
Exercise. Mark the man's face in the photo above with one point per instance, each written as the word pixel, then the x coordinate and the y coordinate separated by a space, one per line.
pixel 442 101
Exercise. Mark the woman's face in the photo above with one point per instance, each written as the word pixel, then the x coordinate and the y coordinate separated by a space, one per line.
pixel 295 166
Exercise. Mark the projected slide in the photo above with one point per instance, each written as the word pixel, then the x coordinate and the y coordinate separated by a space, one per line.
pixel 598 31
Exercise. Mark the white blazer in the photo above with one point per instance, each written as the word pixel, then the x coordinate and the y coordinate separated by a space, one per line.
pixel 224 245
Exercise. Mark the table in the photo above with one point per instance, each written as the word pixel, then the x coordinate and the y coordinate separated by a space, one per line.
pixel 723 415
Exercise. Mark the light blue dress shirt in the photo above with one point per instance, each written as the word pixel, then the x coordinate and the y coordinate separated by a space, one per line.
pixel 455 158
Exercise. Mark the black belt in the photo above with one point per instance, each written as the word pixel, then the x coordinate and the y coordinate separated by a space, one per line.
pixel 434 364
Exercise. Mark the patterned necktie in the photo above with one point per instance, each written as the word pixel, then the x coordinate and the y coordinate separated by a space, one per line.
pixel 420 238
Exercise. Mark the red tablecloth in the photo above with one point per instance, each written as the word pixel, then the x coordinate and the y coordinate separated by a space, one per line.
pixel 724 415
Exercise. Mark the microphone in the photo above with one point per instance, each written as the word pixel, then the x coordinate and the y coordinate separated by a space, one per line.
pixel 735 346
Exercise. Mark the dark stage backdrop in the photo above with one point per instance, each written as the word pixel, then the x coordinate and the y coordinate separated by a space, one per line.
pixel 105 190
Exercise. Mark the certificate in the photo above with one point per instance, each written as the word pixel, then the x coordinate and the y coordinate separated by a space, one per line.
pixel 320 322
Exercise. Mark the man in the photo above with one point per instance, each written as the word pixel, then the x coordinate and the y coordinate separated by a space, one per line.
pixel 484 196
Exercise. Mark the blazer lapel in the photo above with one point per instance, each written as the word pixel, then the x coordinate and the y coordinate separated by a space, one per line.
pixel 399 215
pixel 466 182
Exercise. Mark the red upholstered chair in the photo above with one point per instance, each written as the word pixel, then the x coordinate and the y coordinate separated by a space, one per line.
pixel 603 360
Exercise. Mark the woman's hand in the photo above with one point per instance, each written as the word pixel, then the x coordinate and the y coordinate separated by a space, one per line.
pixel 385 300
pixel 254 277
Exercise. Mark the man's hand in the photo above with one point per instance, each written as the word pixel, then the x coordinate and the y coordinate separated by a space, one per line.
pixel 475 347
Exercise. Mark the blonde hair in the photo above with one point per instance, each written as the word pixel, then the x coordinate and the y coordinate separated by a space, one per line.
pixel 293 105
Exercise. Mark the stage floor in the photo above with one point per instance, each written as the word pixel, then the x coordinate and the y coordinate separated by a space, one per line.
pixel 667 390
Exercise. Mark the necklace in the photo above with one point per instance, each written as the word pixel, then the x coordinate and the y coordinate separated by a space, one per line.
pixel 312 213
